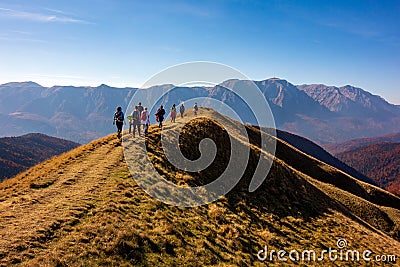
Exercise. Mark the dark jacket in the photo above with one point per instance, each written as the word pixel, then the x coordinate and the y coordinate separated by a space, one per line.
pixel 160 113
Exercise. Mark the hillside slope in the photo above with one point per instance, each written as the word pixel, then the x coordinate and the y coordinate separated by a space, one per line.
pixel 312 149
pixel 379 161
pixel 84 209
pixel 20 153
pixel 337 148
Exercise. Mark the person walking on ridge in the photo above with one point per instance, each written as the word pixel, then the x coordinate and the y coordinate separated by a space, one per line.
pixel 160 116
pixel 182 110
pixel 195 109
pixel 145 120
pixel 173 113
pixel 140 109
pixel 129 117
pixel 119 120
pixel 136 120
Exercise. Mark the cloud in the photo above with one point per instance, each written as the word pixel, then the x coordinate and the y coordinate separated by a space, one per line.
pixel 22 32
pixel 57 11
pixel 7 38
pixel 38 17
pixel 20 36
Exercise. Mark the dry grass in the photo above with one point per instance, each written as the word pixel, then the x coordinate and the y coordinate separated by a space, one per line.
pixel 84 209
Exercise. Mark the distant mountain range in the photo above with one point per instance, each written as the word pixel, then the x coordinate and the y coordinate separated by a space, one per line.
pixel 377 158
pixel 324 114
pixel 19 153
pixel 348 100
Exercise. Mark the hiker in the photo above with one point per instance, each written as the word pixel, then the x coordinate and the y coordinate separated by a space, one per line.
pixel 136 120
pixel 129 117
pixel 173 113
pixel 160 115
pixel 182 110
pixel 119 120
pixel 145 120
pixel 140 109
pixel 195 109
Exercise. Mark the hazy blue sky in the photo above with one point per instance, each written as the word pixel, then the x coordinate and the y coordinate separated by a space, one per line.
pixel 123 43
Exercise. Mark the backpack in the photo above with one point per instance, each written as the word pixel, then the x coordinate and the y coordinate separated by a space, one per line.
pixel 119 116
pixel 144 116
pixel 162 112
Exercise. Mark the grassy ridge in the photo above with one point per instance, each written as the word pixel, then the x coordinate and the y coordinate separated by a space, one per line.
pixel 84 209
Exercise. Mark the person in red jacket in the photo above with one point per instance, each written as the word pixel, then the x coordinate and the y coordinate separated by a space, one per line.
pixel 160 115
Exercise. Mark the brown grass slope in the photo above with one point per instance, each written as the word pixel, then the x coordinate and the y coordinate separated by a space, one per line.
pixel 84 209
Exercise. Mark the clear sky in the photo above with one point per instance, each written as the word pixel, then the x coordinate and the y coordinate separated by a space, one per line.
pixel 123 42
